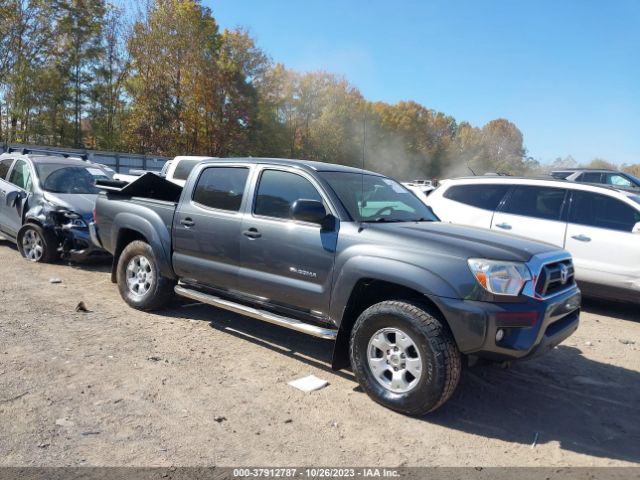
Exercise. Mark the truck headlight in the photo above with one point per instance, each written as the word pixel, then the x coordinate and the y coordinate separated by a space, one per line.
pixel 498 277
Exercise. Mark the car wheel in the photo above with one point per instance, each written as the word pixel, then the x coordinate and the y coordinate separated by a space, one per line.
pixel 404 357
pixel 37 244
pixel 139 280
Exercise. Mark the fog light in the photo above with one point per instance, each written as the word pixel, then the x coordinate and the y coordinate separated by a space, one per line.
pixel 499 335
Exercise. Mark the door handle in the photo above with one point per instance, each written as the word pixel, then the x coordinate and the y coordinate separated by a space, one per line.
pixel 252 233
pixel 581 238
pixel 504 226
pixel 187 222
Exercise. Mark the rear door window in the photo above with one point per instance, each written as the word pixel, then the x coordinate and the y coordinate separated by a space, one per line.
pixel 602 211
pixel 5 165
pixel 221 188
pixel 538 202
pixel 183 169
pixel 590 177
pixel 485 196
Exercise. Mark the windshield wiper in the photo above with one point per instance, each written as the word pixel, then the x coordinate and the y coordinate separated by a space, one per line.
pixel 384 220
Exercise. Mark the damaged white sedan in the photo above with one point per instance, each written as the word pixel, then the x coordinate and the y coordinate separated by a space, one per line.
pixel 46 204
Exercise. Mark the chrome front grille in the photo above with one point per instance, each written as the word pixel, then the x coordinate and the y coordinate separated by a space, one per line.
pixel 555 277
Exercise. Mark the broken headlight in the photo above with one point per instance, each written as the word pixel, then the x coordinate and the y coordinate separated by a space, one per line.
pixel 72 220
pixel 498 277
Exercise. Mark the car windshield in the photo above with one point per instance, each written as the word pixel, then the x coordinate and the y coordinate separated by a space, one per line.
pixel 65 178
pixel 372 198
pixel 635 179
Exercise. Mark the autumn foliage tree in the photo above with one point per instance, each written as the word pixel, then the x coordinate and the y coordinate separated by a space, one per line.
pixel 77 73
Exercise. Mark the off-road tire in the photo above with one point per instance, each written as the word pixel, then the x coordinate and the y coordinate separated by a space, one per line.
pixel 160 291
pixel 48 244
pixel 440 357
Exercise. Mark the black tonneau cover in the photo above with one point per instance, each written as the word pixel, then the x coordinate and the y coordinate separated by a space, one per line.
pixel 148 185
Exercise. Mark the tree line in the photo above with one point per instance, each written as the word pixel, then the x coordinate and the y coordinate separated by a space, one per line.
pixel 81 73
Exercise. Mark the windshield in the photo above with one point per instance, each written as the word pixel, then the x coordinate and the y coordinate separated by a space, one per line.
pixel 635 179
pixel 61 178
pixel 370 198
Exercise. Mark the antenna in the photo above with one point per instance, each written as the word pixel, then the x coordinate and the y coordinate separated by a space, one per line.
pixel 469 167
pixel 364 147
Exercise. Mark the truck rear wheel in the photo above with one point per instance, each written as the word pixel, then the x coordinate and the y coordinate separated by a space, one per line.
pixel 139 280
pixel 404 357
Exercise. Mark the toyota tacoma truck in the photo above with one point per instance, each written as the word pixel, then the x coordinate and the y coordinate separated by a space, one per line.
pixel 341 254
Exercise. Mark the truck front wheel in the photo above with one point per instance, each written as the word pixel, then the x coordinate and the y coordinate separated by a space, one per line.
pixel 404 357
pixel 139 280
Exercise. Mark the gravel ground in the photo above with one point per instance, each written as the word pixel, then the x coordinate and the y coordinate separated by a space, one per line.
pixel 195 385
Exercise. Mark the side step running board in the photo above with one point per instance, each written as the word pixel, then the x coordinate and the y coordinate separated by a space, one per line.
pixel 291 323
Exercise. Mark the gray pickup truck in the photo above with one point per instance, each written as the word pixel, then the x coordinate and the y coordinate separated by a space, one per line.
pixel 342 254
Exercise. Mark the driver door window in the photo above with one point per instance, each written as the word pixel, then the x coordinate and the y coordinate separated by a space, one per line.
pixel 618 180
pixel 601 211
pixel 278 190
pixel 21 176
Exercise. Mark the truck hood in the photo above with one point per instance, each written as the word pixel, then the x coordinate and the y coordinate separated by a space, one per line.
pixel 80 203
pixel 462 241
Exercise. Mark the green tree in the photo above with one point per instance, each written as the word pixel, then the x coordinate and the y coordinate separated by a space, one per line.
pixel 240 66
pixel 25 40
pixel 173 71
pixel 503 149
pixel 79 46
pixel 601 163
pixel 108 104
pixel 632 169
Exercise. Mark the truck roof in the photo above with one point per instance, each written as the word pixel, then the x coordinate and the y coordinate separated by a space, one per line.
pixel 305 164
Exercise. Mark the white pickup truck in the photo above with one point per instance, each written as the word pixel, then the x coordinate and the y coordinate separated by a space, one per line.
pixel 176 170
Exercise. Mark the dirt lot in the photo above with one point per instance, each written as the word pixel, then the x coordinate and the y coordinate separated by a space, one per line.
pixel 200 386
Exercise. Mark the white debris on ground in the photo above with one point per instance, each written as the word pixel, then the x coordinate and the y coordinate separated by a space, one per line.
pixel 309 383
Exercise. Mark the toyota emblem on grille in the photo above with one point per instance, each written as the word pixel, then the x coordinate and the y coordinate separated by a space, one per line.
pixel 564 274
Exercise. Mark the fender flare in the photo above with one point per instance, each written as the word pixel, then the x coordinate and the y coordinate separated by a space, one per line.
pixel 362 267
pixel 155 233
pixel 404 274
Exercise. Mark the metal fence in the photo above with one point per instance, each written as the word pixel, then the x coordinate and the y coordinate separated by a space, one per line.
pixel 120 162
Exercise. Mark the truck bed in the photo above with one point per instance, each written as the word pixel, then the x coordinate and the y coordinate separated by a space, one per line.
pixel 150 200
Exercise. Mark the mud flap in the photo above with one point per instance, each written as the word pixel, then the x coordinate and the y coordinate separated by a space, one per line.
pixel 340 358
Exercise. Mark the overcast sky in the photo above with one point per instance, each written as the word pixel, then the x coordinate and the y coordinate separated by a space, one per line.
pixel 566 72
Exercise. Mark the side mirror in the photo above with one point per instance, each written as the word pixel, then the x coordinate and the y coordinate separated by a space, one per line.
pixel 636 228
pixel 311 211
pixel 14 197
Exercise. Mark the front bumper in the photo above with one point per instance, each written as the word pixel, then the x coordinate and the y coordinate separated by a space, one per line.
pixel 530 328
pixel 78 245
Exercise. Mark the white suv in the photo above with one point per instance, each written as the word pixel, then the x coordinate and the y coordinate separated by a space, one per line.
pixel 599 226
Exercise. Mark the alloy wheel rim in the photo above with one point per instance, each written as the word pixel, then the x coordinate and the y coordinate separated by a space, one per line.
pixel 394 360
pixel 32 245
pixel 140 275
